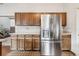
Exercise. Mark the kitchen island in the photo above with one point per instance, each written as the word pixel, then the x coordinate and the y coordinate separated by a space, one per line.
pixel 0 48
pixel 2 40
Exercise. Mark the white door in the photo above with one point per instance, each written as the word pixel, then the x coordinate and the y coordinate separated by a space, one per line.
pixel 75 39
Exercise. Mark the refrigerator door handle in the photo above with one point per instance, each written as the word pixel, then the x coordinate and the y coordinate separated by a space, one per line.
pixel 46 33
pixel 43 33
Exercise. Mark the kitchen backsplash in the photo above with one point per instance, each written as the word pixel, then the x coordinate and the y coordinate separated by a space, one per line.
pixel 27 29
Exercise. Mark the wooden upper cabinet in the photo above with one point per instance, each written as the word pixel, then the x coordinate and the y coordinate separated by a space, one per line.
pixel 37 19
pixel 63 17
pixel 34 19
pixel 17 19
pixel 25 19
pixel 31 18
pixel 28 19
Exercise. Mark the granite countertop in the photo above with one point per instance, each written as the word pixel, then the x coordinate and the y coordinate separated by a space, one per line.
pixel 66 33
pixel 24 34
pixel 4 39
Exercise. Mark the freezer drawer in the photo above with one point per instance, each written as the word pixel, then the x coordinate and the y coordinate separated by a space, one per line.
pixel 50 48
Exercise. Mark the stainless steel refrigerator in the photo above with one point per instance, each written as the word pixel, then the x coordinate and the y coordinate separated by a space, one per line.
pixel 50 35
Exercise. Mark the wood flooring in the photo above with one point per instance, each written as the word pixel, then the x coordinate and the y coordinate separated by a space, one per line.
pixel 7 52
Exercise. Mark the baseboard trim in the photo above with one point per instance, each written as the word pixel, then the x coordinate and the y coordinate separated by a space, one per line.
pixel 73 53
pixel 70 51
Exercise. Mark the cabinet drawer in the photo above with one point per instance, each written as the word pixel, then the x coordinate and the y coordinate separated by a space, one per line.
pixel 13 36
pixel 66 36
pixel 20 36
pixel 36 36
pixel 28 36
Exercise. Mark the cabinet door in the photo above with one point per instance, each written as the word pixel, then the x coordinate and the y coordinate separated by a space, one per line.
pixel 63 17
pixel 36 43
pixel 26 19
pixel 23 19
pixel 31 19
pixel 28 44
pixel 36 19
pixel 66 43
pixel 20 42
pixel 13 44
pixel 17 18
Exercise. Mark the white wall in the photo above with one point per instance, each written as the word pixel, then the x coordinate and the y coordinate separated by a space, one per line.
pixel 27 29
pixel 72 15
pixel 10 9
pixel 5 22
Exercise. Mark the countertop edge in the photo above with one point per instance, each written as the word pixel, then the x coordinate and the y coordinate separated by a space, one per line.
pixel 4 39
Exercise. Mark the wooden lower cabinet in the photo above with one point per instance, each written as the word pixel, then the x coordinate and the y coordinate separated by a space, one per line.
pixel 0 48
pixel 36 44
pixel 20 44
pixel 28 44
pixel 14 44
pixel 66 42
pixel 25 42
